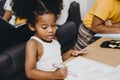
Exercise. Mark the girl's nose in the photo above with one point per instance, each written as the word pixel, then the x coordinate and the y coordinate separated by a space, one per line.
pixel 50 29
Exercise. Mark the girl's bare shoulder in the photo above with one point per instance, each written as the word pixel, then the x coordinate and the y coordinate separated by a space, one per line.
pixel 33 43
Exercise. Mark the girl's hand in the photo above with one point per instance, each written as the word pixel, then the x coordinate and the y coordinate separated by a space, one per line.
pixel 61 73
pixel 78 52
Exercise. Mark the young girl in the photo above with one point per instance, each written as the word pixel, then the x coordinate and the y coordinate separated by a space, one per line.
pixel 43 52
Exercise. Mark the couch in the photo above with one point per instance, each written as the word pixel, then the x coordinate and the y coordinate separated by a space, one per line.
pixel 12 57
pixel 12 63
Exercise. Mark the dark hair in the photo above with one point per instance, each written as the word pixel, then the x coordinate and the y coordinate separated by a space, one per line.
pixel 30 9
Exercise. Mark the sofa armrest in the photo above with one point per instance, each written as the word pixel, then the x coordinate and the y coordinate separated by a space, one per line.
pixel 6 69
pixel 12 61
pixel 74 13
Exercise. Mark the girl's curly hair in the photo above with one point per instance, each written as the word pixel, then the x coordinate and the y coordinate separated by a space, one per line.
pixel 30 9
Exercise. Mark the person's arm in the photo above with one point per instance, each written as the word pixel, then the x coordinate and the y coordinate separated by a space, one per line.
pixel 74 53
pixel 116 24
pixel 98 26
pixel 7 15
pixel 8 10
pixel 30 65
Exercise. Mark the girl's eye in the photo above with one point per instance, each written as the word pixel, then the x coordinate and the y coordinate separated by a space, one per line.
pixel 44 27
pixel 54 25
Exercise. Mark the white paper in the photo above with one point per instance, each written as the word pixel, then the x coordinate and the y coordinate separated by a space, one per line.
pixel 82 68
pixel 107 35
pixel 112 75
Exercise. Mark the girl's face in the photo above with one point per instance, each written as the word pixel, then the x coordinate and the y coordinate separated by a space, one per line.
pixel 45 27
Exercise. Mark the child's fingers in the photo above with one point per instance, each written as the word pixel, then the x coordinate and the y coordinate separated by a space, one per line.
pixel 76 53
pixel 65 67
pixel 65 70
pixel 83 51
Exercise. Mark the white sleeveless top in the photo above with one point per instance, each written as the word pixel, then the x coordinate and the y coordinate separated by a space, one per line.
pixel 51 55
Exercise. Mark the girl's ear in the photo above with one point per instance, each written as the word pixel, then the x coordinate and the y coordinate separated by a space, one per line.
pixel 31 27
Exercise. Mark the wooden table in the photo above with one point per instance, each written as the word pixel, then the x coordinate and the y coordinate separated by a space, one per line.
pixel 104 55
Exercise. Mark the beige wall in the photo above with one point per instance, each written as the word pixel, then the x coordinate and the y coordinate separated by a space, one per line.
pixel 85 5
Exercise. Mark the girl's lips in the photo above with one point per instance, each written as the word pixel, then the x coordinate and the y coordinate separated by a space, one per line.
pixel 50 36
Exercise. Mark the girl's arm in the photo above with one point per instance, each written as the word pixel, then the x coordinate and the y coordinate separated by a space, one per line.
pixel 30 65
